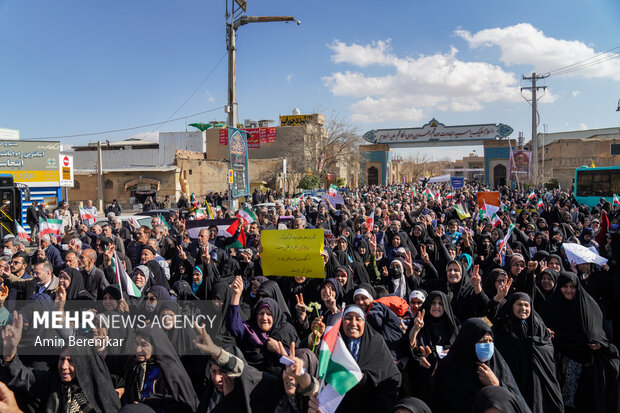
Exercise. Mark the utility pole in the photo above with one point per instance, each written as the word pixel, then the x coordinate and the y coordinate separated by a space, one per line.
pixel 234 20
pixel 99 178
pixel 534 88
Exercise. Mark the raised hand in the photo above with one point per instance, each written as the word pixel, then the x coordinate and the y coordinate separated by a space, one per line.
pixel 475 279
pixel 8 404
pixel 423 254
pixel 418 321
pixel 182 254
pixel 426 351
pixel 543 265
pixel 531 266
pixel 237 288
pixel 61 298
pixel 318 327
pixel 204 343
pixel 503 290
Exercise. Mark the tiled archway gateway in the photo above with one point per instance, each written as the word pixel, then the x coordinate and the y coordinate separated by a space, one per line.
pixel 435 133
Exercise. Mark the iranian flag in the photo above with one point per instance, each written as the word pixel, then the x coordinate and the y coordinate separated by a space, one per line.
pixel 616 200
pixel 85 215
pixel 438 196
pixel 370 221
pixel 532 195
pixel 333 190
pixel 247 215
pixel 21 232
pixel 50 226
pixel 540 204
pixel 124 281
pixel 414 193
pixel 481 214
pixel 200 213
pixel 338 369
pixel 495 220
pixel 450 195
pixel 503 245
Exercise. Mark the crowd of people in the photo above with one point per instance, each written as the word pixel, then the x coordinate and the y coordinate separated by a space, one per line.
pixel 443 307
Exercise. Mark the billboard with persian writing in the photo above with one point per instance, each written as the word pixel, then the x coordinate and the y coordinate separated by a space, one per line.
pixel 34 163
pixel 436 133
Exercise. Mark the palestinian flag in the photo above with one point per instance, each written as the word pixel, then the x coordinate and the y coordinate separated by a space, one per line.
pixel 616 200
pixel 461 212
pixel 21 232
pixel 370 221
pixel 85 215
pixel 232 229
pixel 428 193
pixel 247 215
pixel 194 226
pixel 50 226
pixel 338 370
pixel 490 210
pixel 124 281
pixel 333 190
pixel 414 193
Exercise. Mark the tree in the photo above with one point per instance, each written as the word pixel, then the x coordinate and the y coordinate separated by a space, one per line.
pixel 309 182
pixel 419 165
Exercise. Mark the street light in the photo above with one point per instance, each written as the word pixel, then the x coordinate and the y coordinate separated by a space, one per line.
pixel 231 34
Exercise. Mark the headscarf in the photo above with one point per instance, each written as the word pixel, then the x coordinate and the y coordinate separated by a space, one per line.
pixel 381 376
pixel 438 331
pixel 499 398
pixel 94 380
pixel 457 372
pixel 196 287
pixel 177 381
pixel 527 348
pixel 77 283
pixel 413 405
pixel 271 289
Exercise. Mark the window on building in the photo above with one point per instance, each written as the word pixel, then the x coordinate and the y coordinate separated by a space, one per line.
pixel 108 184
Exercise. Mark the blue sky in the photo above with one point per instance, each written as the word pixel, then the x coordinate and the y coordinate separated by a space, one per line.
pixel 70 67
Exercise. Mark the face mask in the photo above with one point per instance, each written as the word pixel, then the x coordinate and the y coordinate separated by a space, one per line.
pixel 65 247
pixel 7 252
pixel 484 351
pixel 614 227
pixel 150 307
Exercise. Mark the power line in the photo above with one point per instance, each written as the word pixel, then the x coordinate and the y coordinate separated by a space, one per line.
pixel 197 88
pixel 584 63
pixel 126 129
pixel 587 65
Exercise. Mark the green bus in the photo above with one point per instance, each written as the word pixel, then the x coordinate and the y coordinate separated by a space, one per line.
pixel 592 184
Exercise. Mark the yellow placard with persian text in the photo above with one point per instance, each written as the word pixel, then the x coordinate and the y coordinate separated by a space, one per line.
pixel 293 253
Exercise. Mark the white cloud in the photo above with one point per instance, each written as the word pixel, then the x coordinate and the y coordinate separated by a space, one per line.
pixel 289 77
pixel 523 44
pixel 583 126
pixel 575 93
pixel 418 85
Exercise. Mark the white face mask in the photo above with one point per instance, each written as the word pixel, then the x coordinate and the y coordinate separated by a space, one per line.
pixel 7 252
